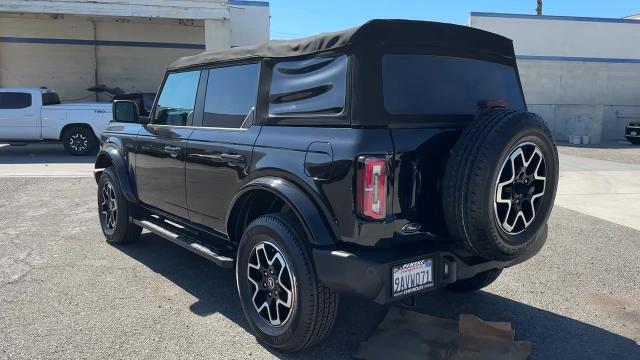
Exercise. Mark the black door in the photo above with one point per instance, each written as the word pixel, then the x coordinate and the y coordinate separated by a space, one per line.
pixel 220 149
pixel 160 161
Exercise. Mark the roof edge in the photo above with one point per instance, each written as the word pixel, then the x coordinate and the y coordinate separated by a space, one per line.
pixel 555 17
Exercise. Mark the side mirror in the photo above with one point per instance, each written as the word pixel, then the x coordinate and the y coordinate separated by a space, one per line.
pixel 125 111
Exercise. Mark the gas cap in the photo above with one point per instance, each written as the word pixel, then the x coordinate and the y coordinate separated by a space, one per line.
pixel 318 162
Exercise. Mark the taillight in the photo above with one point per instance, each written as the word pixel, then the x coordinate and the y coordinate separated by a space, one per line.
pixel 371 187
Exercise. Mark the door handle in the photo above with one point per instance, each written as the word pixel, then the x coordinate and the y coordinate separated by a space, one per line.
pixel 172 150
pixel 232 157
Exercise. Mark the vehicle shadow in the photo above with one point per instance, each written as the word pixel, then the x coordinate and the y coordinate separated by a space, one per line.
pixel 40 154
pixel 553 336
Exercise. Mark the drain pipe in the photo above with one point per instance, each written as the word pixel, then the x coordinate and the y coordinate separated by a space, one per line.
pixel 95 55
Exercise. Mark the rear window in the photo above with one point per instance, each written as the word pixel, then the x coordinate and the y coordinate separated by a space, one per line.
pixel 441 85
pixel 15 100
pixel 50 98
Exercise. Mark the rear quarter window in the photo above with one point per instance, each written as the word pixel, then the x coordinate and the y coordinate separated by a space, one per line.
pixel 309 87
pixel 442 85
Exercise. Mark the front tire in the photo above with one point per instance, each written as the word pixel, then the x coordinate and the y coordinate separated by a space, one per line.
pixel 114 211
pixel 634 141
pixel 286 305
pixel 79 140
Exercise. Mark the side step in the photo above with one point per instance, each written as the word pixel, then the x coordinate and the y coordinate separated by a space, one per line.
pixel 187 243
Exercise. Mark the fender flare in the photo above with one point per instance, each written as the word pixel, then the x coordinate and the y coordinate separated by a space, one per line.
pixel 310 216
pixel 122 173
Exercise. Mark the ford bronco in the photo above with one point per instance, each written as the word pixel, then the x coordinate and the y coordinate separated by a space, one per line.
pixel 384 161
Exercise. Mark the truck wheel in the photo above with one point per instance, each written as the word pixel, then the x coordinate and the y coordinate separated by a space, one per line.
pixel 500 183
pixel 475 283
pixel 114 211
pixel 286 305
pixel 634 141
pixel 79 140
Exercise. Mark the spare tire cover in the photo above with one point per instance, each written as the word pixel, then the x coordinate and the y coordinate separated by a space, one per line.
pixel 500 183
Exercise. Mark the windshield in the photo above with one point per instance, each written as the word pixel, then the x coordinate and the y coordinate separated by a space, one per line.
pixel 442 85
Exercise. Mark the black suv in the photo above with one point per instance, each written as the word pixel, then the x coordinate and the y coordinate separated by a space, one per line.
pixel 385 161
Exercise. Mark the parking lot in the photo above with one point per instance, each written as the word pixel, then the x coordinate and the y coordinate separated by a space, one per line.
pixel 66 293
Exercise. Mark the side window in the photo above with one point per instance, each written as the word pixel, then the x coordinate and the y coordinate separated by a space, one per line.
pixel 231 93
pixel 15 100
pixel 177 99
pixel 311 87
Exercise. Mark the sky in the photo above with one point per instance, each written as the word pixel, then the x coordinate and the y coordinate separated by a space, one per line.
pixel 298 18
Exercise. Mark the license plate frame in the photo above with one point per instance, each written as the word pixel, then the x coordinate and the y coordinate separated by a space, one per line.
pixel 634 133
pixel 412 277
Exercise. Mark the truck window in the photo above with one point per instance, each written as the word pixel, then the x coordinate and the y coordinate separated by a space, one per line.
pixel 50 98
pixel 177 98
pixel 231 93
pixel 310 87
pixel 15 100
pixel 442 85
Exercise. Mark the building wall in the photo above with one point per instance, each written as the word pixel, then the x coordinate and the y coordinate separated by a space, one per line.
pixel 62 52
pixel 581 74
pixel 62 55
pixel 250 22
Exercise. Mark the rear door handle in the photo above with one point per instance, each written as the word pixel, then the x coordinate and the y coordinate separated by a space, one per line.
pixel 232 157
pixel 172 150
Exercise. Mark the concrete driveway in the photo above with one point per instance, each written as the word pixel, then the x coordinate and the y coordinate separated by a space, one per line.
pixel 42 160
pixel 65 293
pixel 604 189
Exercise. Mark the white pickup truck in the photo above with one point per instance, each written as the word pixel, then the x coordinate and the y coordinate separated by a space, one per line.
pixel 29 115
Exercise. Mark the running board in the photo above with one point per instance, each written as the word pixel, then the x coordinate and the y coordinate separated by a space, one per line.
pixel 187 243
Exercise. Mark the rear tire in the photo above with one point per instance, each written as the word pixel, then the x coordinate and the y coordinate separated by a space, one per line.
pixel 271 243
pixel 475 283
pixel 114 211
pixel 79 140
pixel 500 184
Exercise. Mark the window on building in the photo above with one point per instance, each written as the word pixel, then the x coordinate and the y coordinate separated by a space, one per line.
pixel 315 86
pixel 177 99
pixel 231 94
pixel 15 100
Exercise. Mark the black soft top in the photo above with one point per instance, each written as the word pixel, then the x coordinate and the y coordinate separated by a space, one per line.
pixel 370 35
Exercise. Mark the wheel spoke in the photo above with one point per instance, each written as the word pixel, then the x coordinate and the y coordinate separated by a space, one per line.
pixel 288 291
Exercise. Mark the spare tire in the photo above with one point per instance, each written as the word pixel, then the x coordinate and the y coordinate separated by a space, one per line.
pixel 500 183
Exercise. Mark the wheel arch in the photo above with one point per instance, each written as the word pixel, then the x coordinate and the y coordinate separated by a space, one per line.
pixel 112 157
pixel 72 125
pixel 305 210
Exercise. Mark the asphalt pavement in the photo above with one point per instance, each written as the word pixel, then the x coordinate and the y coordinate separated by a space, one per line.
pixel 66 293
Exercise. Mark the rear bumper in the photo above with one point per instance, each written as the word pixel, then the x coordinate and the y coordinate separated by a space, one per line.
pixel 368 273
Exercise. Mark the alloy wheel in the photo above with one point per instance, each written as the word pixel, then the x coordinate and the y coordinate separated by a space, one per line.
pixel 519 188
pixel 109 206
pixel 78 142
pixel 272 283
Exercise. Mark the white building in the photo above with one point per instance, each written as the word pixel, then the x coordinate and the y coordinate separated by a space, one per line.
pixel 70 45
pixel 581 74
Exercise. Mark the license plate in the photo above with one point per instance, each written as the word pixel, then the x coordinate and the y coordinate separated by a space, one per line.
pixel 411 277
pixel 634 133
